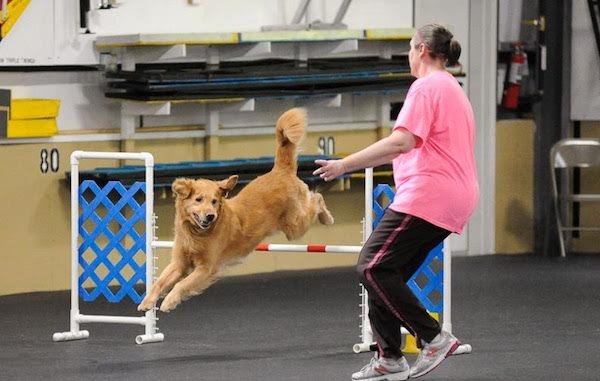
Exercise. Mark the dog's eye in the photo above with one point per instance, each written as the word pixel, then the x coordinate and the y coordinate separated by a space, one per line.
pixel 198 199
pixel 214 201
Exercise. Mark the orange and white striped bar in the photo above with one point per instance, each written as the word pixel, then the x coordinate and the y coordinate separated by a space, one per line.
pixel 309 248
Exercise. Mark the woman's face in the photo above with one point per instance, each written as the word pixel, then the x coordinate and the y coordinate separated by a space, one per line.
pixel 414 59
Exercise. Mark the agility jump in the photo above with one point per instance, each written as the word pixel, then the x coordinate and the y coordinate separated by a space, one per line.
pixel 150 243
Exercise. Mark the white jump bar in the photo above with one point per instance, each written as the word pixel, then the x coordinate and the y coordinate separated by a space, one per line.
pixel 162 244
pixel 285 248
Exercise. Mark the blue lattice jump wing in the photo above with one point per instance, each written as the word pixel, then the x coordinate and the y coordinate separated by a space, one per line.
pixel 430 290
pixel 427 282
pixel 383 195
pixel 99 265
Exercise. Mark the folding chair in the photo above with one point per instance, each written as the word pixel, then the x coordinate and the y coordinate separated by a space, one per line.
pixel 567 154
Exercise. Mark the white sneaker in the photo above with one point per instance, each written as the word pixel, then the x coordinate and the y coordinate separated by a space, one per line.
pixel 434 353
pixel 381 368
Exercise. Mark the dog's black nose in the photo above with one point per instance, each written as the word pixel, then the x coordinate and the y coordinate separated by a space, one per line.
pixel 210 217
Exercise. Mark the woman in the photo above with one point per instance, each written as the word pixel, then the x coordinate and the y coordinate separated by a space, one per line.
pixel 431 148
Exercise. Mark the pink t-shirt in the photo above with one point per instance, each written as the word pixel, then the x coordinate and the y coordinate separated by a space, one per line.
pixel 437 180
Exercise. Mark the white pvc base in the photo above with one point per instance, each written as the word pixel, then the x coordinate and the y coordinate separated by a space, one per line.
pixel 79 335
pixel 79 318
pixel 463 349
pixel 145 339
pixel 68 336
pixel 362 347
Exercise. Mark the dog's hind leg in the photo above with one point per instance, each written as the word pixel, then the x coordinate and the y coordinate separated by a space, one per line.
pixel 170 275
pixel 325 216
pixel 195 283
pixel 297 220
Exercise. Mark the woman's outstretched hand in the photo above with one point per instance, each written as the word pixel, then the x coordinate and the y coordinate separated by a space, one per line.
pixel 330 169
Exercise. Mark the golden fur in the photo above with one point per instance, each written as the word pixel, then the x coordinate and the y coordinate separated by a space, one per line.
pixel 212 231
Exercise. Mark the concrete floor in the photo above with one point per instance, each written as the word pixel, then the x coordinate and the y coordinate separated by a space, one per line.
pixel 527 318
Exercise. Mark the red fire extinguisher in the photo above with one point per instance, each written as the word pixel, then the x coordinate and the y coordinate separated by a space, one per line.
pixel 518 62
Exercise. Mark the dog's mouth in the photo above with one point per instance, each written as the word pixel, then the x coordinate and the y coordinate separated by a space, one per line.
pixel 202 224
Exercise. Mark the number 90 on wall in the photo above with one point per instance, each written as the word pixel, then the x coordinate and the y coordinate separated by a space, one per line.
pixel 49 160
pixel 326 145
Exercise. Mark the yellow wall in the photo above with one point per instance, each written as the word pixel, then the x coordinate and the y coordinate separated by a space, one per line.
pixel 35 213
pixel 35 207
pixel 514 189
pixel 514 186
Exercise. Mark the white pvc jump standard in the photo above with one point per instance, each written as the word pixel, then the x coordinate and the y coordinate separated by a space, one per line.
pixel 149 319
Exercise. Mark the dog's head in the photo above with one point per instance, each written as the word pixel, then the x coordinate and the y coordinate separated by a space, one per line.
pixel 199 201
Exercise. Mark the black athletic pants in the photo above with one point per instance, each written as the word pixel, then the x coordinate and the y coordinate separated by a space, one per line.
pixel 394 251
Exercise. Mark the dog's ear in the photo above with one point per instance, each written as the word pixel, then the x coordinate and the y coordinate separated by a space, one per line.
pixel 182 187
pixel 228 184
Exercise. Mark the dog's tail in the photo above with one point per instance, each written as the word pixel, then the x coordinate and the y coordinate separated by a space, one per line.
pixel 289 133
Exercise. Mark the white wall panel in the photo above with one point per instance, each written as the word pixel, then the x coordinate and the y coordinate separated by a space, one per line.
pixel 48 31
pixel 364 14
pixel 143 16
pixel 474 23
pixel 83 104
pixel 455 16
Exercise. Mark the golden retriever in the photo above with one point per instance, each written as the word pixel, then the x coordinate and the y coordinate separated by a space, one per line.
pixel 212 231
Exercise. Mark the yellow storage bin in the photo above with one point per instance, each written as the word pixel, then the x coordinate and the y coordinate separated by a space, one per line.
pixel 25 108
pixel 31 128
pixel 410 343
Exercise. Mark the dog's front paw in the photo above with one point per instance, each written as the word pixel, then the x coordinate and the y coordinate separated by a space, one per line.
pixel 145 305
pixel 169 303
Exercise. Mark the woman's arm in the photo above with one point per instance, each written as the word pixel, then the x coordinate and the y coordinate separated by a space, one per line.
pixel 381 152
